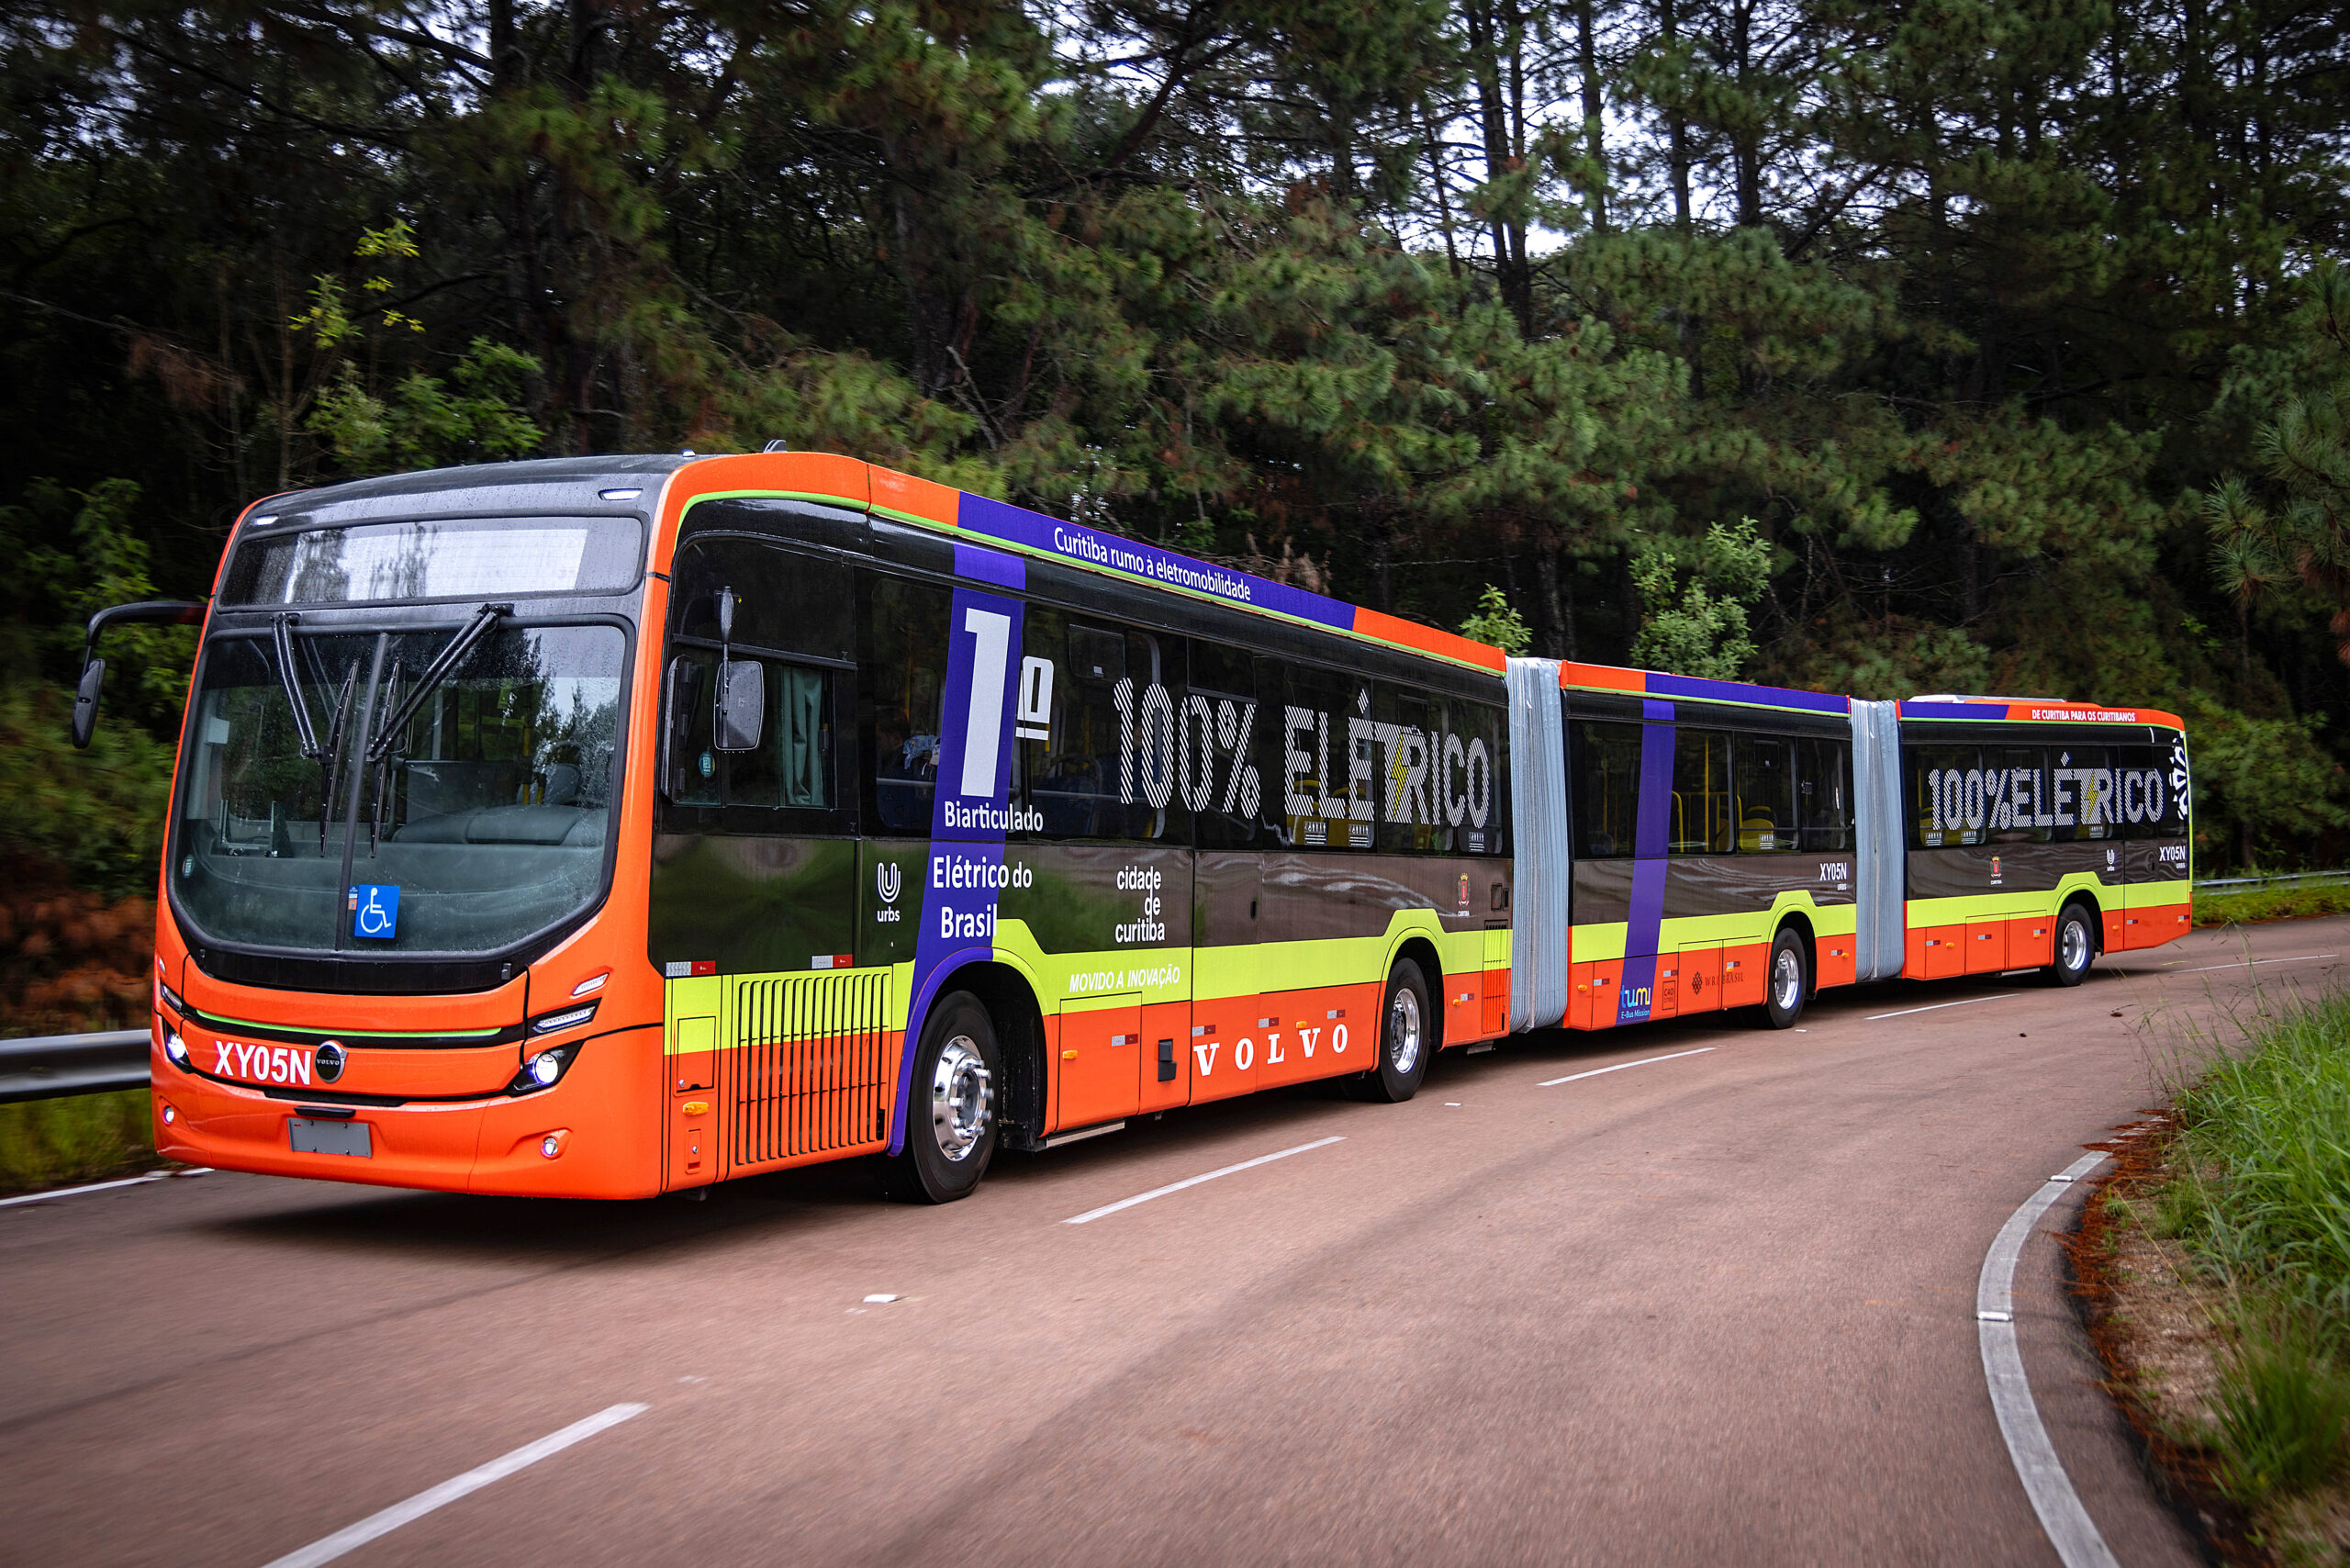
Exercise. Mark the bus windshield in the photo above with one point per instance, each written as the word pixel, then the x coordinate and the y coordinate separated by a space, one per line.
pixel 481 822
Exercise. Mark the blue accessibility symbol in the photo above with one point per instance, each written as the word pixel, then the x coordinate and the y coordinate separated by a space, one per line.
pixel 376 911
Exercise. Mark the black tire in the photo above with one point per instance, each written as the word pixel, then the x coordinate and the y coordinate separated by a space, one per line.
pixel 1408 1038
pixel 2076 947
pixel 954 1115
pixel 1786 981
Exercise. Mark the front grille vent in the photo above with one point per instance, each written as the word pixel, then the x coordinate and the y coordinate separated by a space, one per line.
pixel 814 1053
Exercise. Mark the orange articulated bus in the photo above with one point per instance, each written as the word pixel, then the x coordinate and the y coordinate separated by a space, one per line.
pixel 603 827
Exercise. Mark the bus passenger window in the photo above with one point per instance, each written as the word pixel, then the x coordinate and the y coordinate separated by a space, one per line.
pixel 902 667
pixel 1764 790
pixel 1824 791
pixel 689 774
pixel 2018 796
pixel 1701 819
pixel 2082 797
pixel 1107 755
pixel 1949 803
pixel 793 763
pixel 1222 705
pixel 1605 787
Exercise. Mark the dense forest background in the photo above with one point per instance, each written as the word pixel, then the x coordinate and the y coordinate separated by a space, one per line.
pixel 1887 346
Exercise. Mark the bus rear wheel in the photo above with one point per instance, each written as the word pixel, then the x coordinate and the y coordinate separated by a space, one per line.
pixel 952 1120
pixel 1406 1038
pixel 2076 947
pixel 1787 982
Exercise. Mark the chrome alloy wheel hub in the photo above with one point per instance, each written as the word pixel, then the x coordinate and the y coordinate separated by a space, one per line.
pixel 2076 944
pixel 1403 1030
pixel 962 1099
pixel 1786 980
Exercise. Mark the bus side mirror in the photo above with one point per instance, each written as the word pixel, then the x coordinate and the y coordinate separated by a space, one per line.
pixel 742 704
pixel 86 702
pixel 147 612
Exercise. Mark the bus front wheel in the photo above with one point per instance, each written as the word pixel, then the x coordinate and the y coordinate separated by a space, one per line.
pixel 1407 1038
pixel 2076 947
pixel 952 1119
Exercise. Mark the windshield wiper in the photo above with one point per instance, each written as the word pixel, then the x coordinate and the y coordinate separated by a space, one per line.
pixel 306 732
pixel 428 681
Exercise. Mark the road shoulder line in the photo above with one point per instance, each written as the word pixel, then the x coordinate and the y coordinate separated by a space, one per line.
pixel 2066 1523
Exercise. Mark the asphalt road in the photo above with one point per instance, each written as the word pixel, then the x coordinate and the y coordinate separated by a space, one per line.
pixel 1716 1308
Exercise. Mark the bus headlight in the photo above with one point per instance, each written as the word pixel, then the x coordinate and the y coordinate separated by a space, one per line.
pixel 566 1018
pixel 175 1048
pixel 543 1070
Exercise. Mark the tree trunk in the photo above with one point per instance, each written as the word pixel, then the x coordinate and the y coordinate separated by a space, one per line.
pixel 1594 109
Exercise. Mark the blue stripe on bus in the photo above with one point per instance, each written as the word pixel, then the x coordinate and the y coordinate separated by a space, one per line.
pixel 1146 563
pixel 1652 839
pixel 992 566
pixel 1690 687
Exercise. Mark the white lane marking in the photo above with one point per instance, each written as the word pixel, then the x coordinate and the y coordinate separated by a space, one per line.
pixel 1595 1073
pixel 2068 1526
pixel 2304 958
pixel 474 1480
pixel 92 1187
pixel 1937 1006
pixel 1090 1214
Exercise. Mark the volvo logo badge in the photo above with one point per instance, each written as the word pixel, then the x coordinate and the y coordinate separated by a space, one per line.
pixel 330 1061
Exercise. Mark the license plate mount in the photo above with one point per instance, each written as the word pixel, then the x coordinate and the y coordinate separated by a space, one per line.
pixel 313 1135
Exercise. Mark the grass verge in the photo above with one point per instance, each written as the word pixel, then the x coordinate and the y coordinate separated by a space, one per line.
pixel 79 1138
pixel 2270 904
pixel 2217 1264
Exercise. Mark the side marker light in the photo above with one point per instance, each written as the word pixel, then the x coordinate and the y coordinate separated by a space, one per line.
pixel 591 985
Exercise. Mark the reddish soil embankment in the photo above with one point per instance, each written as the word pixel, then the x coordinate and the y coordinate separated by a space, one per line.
pixel 70 960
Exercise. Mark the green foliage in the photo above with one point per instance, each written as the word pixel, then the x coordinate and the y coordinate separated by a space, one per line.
pixel 2270 904
pixel 1696 602
pixel 2267 1137
pixel 426 423
pixel 2282 1407
pixel 1496 624
pixel 2259 781
pixel 80 1137
pixel 1436 296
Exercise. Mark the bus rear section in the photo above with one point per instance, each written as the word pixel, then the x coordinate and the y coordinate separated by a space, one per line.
pixel 2038 834
pixel 1709 846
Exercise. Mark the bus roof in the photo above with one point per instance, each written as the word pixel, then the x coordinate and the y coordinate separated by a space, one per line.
pixel 884 492
pixel 2033 711
pixel 1574 675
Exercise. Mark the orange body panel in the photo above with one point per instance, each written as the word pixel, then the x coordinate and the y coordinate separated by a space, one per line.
pixel 916 497
pixel 1699 981
pixel 1169 1022
pixel 1097 1058
pixel 2031 942
pixel 1430 640
pixel 1496 1003
pixel 1987 947
pixel 1837 961
pixel 1745 974
pixel 609 1146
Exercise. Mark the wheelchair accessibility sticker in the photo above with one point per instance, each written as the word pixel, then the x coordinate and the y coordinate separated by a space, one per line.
pixel 376 911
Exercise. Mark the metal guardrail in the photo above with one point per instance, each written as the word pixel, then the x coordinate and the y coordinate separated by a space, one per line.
pixel 2283 880
pixel 50 1066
